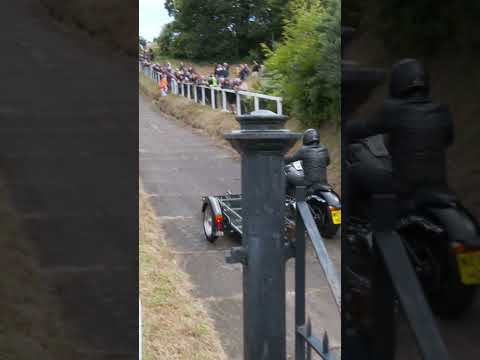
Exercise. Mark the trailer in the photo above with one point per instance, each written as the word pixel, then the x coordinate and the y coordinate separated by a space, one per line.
pixel 222 215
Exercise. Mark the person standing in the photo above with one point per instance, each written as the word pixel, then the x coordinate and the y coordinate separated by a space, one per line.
pixel 242 72
pixel 163 85
pixel 226 70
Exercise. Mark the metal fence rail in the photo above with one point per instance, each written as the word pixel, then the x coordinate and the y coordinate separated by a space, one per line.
pixel 305 341
pixel 215 97
pixel 392 259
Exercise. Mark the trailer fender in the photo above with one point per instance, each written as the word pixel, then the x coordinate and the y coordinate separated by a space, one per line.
pixel 214 205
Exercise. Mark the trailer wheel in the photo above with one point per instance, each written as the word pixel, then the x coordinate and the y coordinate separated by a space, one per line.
pixel 208 224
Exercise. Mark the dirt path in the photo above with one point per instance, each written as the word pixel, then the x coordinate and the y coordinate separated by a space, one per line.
pixel 177 167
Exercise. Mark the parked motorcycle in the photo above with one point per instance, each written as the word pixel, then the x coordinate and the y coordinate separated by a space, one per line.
pixel 324 202
pixel 443 242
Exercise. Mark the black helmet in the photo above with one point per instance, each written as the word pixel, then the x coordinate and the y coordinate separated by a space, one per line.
pixel 310 137
pixel 408 76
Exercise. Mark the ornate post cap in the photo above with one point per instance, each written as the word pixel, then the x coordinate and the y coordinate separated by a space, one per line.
pixel 262 120
pixel 262 130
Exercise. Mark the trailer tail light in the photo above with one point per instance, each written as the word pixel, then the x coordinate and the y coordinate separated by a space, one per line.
pixel 218 222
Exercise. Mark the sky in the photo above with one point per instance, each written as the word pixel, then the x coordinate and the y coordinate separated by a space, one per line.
pixel 152 16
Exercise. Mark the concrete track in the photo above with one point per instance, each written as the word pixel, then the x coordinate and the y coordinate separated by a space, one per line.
pixel 178 167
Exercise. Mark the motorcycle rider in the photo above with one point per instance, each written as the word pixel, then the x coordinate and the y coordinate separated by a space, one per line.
pixel 315 158
pixel 417 133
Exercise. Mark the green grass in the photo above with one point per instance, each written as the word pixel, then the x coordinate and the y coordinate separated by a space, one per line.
pixel 175 324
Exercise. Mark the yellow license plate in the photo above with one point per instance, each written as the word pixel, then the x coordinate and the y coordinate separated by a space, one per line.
pixel 469 267
pixel 336 216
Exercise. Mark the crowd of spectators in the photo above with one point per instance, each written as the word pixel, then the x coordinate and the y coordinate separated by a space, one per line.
pixel 219 78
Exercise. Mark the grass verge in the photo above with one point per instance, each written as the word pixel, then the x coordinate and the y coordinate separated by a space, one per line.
pixel 175 324
pixel 215 123
pixel 31 326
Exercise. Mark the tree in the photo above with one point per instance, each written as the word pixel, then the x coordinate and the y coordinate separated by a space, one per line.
pixel 222 29
pixel 200 30
pixel 166 38
pixel 305 67
pixel 279 11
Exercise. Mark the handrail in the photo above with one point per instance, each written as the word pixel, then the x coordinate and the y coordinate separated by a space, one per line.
pixel 393 256
pixel 241 92
pixel 321 252
pixel 304 340
pixel 178 88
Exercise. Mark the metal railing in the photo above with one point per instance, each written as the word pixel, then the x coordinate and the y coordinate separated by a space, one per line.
pixel 305 341
pixel 216 97
pixel 395 273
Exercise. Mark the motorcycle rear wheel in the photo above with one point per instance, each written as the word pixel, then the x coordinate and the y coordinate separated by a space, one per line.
pixel 449 298
pixel 453 298
pixel 328 230
pixel 324 222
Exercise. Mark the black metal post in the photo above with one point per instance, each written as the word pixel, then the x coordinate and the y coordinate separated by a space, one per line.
pixel 262 142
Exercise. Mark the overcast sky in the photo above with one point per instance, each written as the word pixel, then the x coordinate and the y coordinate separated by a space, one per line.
pixel 152 16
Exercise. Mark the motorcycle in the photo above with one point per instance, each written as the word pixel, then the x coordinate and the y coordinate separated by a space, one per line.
pixel 324 202
pixel 442 240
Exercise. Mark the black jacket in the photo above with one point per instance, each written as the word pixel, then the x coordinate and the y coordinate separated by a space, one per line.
pixel 315 161
pixel 418 133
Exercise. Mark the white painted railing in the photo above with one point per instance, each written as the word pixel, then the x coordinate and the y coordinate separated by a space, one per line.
pixel 216 97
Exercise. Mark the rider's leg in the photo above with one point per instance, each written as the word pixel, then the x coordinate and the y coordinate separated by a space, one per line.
pixel 294 179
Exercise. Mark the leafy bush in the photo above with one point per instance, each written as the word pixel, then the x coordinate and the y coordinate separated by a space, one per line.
pixel 305 68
